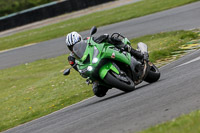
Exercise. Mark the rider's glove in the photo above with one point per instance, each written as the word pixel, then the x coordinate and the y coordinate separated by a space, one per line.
pixel 71 60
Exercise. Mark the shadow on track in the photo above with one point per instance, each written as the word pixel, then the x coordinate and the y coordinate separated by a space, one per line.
pixel 114 96
pixel 99 101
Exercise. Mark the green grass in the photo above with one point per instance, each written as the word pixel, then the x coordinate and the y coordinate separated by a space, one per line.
pixel 184 124
pixel 126 12
pixel 36 89
pixel 12 6
pixel 163 44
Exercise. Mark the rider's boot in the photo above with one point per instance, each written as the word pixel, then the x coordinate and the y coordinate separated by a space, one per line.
pixel 135 53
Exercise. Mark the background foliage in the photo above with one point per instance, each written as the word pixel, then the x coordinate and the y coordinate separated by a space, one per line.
pixel 11 6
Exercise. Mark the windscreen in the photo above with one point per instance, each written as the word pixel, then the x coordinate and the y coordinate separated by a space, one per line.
pixel 79 49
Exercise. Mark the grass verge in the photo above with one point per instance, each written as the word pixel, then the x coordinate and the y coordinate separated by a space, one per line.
pixel 184 124
pixel 126 12
pixel 32 90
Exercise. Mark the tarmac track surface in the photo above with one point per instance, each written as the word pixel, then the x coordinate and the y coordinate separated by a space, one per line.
pixel 177 92
pixel 185 17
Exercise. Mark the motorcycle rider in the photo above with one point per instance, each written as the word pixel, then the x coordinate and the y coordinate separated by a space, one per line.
pixel 74 37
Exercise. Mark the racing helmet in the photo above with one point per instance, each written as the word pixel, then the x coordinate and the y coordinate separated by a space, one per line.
pixel 72 38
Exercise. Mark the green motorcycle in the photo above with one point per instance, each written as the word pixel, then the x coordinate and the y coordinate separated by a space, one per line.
pixel 106 66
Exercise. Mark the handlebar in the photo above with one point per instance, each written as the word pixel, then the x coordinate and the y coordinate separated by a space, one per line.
pixel 117 35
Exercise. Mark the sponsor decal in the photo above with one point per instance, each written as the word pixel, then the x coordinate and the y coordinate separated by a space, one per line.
pixel 113 55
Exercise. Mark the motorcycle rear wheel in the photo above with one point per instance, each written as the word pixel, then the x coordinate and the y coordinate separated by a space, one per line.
pixel 153 74
pixel 113 81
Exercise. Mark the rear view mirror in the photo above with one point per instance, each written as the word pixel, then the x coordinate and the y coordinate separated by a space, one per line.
pixel 66 72
pixel 93 30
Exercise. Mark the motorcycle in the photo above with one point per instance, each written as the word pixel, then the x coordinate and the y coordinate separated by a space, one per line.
pixel 106 66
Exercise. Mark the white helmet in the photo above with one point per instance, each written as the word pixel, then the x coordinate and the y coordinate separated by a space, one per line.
pixel 72 38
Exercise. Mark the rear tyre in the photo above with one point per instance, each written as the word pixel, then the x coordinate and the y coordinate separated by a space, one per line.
pixel 122 82
pixel 153 74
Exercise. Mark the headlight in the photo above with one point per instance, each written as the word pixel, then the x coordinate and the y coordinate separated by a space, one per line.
pixel 94 58
pixel 89 68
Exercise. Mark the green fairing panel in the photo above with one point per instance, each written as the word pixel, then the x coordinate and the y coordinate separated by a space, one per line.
pixel 89 51
pixel 112 53
pixel 107 51
pixel 104 70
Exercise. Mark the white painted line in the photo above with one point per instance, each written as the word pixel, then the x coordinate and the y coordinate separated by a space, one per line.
pixel 50 113
pixel 196 59
pixel 66 107
pixel 77 103
pixel 188 54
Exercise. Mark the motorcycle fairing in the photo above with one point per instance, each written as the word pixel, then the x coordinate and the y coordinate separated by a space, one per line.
pixel 105 51
pixel 107 67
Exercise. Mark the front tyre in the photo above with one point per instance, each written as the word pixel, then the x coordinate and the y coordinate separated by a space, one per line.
pixel 122 82
pixel 153 74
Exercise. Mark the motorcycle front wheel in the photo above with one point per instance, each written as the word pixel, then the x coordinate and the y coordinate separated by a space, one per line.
pixel 122 82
